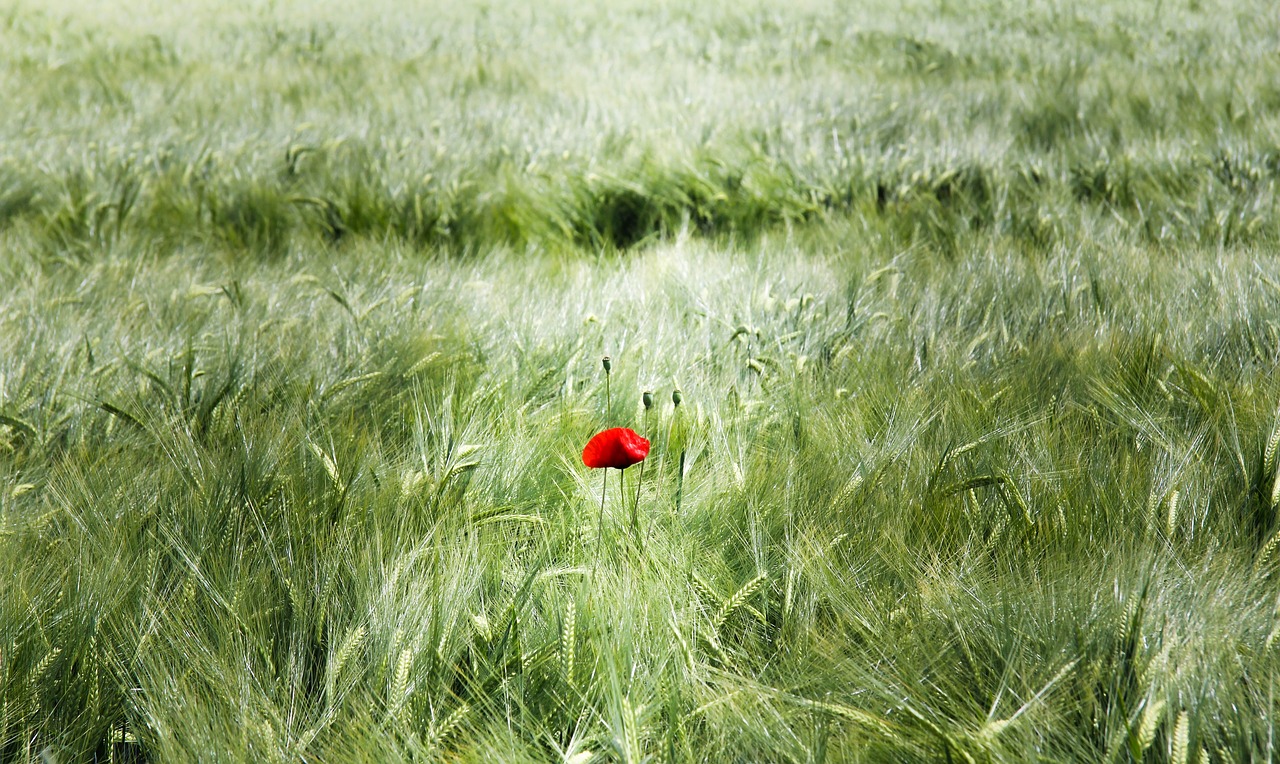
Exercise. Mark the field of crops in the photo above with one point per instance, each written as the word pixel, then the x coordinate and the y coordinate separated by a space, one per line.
pixel 972 310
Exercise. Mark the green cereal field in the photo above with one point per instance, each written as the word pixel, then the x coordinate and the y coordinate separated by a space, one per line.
pixel 953 328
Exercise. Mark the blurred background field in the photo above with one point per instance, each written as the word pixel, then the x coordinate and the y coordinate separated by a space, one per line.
pixel 974 309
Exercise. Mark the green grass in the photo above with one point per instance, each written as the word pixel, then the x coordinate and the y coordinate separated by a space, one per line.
pixel 973 310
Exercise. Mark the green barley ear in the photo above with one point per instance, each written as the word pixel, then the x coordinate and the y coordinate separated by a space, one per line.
pixel 568 642
pixel 846 493
pixel 39 671
pixel 1148 725
pixel 330 466
pixel 1172 518
pixel 1153 509
pixel 422 363
pixel 460 460
pixel 1267 553
pixel 400 683
pixel 631 752
pixel 739 599
pixel 481 623
pixel 517 641
pixel 350 646
pixel 952 453
pixel 529 660
pixel 439 733
pixel 44 664
pixel 1181 738
pixel 1269 455
pixel 705 592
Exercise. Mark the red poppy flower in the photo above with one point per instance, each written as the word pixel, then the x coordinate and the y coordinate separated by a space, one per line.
pixel 618 448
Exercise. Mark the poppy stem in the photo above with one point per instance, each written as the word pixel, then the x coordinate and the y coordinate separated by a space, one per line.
pixel 600 525
pixel 607 363
pixel 635 504
pixel 676 399
pixel 680 482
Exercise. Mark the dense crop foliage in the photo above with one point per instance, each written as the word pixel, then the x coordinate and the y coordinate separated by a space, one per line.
pixel 973 308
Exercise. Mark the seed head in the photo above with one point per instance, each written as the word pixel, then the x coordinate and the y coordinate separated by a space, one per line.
pixel 607 363
pixel 676 397
pixel 647 398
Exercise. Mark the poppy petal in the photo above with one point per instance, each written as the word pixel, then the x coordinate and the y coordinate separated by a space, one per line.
pixel 619 448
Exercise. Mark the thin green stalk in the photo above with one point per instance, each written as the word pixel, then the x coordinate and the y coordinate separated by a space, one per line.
pixel 635 503
pixel 676 399
pixel 607 363
pixel 600 523
pixel 680 482
pixel 622 478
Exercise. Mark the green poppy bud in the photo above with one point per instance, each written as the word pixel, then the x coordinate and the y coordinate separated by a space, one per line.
pixel 607 363
pixel 676 397
pixel 647 398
